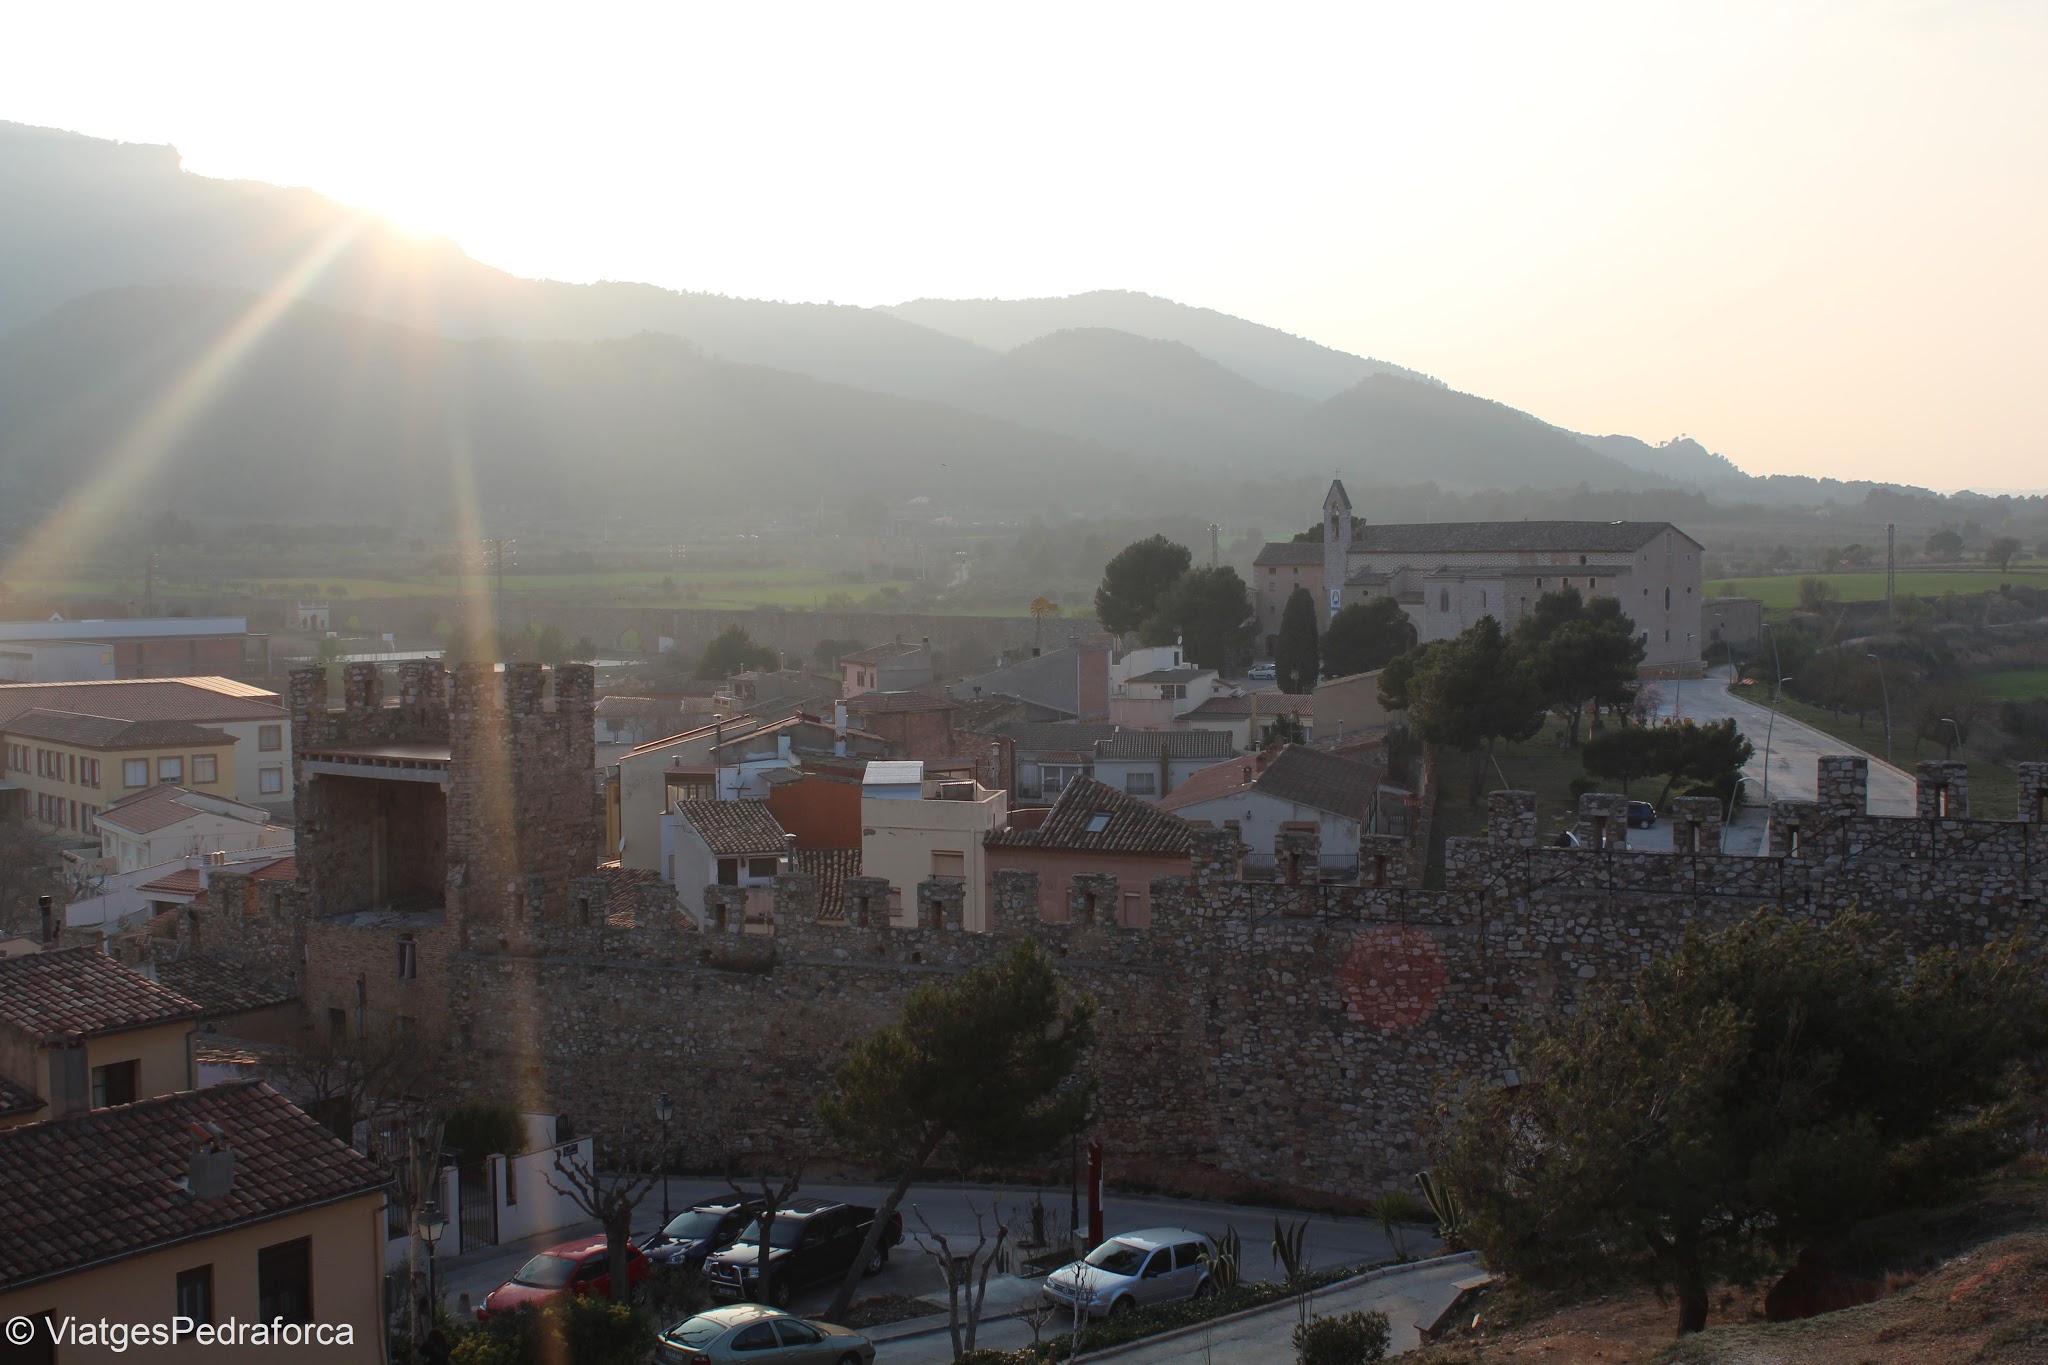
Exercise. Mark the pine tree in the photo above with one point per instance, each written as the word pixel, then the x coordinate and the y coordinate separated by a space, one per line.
pixel 1296 660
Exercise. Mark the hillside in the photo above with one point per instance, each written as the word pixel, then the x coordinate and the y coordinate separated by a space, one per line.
pixel 1143 379
pixel 86 215
pixel 1149 397
pixel 135 393
pixel 1265 355
pixel 1394 431
pixel 1683 460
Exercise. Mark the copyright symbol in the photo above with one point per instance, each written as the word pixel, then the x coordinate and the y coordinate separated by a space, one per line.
pixel 20 1331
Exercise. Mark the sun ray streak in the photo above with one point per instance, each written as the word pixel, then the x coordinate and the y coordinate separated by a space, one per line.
pixel 148 442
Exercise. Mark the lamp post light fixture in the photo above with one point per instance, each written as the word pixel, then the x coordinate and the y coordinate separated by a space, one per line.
pixel 1949 721
pixel 1885 690
pixel 664 1109
pixel 432 1223
pixel 1770 730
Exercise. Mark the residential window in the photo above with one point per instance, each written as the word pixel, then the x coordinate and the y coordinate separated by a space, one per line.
pixel 761 867
pixel 114 1083
pixel 284 1281
pixel 1141 784
pixel 1667 637
pixel 270 738
pixel 270 781
pixel 195 1294
pixel 408 958
pixel 135 772
pixel 1667 599
pixel 91 768
pixel 948 863
pixel 205 768
pixel 1443 599
pixel 728 871
pixel 337 1024
pixel 170 770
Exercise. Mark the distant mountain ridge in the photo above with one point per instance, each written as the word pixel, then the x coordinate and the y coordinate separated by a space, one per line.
pixel 1267 356
pixel 1107 391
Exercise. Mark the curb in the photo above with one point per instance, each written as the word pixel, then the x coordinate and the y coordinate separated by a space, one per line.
pixel 1378 1273
pixel 1175 1334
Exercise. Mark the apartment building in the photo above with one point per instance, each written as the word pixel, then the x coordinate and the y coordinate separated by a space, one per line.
pixel 68 768
pixel 249 739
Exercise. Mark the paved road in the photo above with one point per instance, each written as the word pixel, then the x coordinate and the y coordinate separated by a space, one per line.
pixel 1795 747
pixel 1330 1241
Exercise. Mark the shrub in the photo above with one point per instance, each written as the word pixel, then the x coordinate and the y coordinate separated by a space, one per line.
pixel 1346 1339
pixel 575 1331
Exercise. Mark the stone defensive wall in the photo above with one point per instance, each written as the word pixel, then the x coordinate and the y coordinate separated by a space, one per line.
pixel 1282 1034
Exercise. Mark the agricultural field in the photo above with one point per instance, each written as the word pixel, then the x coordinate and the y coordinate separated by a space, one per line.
pixel 2016 684
pixel 716 589
pixel 1781 592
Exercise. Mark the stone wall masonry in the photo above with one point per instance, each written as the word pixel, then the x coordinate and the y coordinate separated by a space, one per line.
pixel 1261 1033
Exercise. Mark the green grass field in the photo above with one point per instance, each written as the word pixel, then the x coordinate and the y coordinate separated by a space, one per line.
pixel 730 589
pixel 1781 592
pixel 2018 684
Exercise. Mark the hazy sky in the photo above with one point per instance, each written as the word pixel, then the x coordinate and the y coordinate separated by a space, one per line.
pixel 1810 235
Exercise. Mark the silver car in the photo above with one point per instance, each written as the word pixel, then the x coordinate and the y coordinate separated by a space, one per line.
pixel 764 1336
pixel 1133 1269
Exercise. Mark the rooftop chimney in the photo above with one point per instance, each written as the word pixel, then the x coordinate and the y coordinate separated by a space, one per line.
pixel 48 909
pixel 212 1172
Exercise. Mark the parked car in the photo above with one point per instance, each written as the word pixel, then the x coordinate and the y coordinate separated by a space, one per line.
pixel 1133 1269
pixel 580 1267
pixel 814 1240
pixel 711 1224
pixel 749 1332
pixel 1263 672
pixel 1641 815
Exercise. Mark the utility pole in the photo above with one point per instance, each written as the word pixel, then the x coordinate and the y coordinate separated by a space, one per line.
pixel 1891 570
pixel 497 551
pixel 1214 532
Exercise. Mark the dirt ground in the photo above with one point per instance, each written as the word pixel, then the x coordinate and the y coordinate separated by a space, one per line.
pixel 1972 1286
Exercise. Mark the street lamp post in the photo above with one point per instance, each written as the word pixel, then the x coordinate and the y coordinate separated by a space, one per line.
pixel 1884 689
pixel 1949 721
pixel 664 1109
pixel 431 1225
pixel 1770 730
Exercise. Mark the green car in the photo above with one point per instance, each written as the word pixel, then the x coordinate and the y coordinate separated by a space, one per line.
pixel 766 1336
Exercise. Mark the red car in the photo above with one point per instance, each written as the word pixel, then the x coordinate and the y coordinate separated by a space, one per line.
pixel 580 1267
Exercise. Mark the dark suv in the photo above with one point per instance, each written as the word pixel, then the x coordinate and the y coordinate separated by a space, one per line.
pixel 813 1240
pixel 711 1224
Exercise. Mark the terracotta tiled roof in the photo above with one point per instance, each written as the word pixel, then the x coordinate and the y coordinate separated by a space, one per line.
pixel 1509 537
pixel 622 888
pixel 1039 737
pixel 111 732
pixel 55 997
pixel 220 986
pixel 1185 673
pixel 1266 705
pixel 101 1186
pixel 188 699
pixel 183 882
pixel 735 828
pixel 1281 553
pixel 154 809
pixel 1129 744
pixel 1126 825
pixel 1295 773
pixel 829 867
pixel 18 1099
pixel 880 654
pixel 890 702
